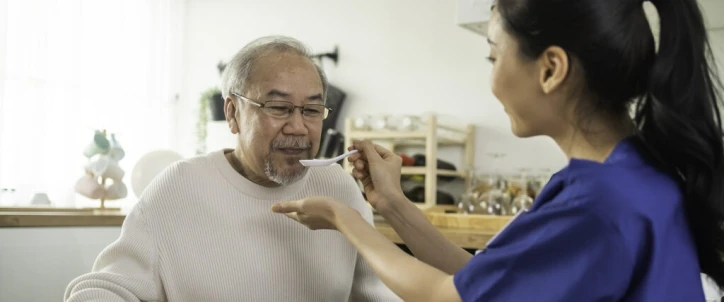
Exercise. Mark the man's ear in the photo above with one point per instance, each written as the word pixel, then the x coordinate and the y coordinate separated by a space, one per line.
pixel 554 68
pixel 231 112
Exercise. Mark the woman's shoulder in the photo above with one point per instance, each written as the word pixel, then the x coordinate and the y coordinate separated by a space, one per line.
pixel 637 201
pixel 628 180
pixel 626 191
pixel 639 187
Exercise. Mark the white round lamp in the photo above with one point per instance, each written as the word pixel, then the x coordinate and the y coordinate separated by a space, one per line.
pixel 149 166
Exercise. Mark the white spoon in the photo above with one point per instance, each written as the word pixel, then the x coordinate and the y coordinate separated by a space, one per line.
pixel 325 162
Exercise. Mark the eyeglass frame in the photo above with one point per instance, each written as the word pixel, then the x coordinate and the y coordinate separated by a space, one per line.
pixel 261 105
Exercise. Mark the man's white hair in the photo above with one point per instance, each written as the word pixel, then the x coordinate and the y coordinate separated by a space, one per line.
pixel 236 73
pixel 235 79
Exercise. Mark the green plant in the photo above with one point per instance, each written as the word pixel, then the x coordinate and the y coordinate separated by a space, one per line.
pixel 203 118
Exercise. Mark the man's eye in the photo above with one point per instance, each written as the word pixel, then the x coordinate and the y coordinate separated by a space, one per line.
pixel 279 108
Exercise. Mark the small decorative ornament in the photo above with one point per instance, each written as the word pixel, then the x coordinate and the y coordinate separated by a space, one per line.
pixel 103 177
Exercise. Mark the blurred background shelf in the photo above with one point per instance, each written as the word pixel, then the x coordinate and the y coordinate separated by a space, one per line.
pixel 449 217
pixel 418 131
pixel 469 231
pixel 423 170
pixel 406 138
pixel 51 209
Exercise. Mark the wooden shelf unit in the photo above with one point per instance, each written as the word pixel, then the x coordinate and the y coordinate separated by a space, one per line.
pixel 430 135
pixel 423 170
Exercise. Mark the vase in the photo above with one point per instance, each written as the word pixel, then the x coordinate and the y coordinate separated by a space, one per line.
pixel 216 105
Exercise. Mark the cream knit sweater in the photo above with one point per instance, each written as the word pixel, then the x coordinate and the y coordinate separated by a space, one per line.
pixel 202 232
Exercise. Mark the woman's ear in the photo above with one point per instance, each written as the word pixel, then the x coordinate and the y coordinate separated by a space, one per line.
pixel 554 68
pixel 231 112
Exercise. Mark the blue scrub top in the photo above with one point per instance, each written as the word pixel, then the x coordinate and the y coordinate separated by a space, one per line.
pixel 597 232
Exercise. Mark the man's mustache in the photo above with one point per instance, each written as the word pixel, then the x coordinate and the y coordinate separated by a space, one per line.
pixel 291 143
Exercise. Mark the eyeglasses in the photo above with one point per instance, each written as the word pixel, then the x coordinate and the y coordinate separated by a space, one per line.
pixel 283 109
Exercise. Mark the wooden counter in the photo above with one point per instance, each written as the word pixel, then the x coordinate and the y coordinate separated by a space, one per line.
pixel 60 218
pixel 464 238
pixel 470 238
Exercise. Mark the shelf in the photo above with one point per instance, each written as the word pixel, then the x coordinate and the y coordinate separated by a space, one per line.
pixel 446 216
pixel 43 209
pixel 464 238
pixel 488 223
pixel 48 209
pixel 385 134
pixel 416 138
pixel 60 218
pixel 422 171
pixel 438 208
pixel 431 134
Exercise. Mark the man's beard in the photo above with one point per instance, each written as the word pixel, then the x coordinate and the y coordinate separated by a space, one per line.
pixel 285 177
pixel 282 178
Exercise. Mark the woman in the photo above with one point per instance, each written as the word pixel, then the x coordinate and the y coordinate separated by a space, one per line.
pixel 636 213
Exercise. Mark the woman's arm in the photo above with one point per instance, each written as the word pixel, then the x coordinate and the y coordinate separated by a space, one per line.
pixel 379 171
pixel 409 278
pixel 425 241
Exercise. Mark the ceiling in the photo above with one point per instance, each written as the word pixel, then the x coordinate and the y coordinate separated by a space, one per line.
pixel 474 14
pixel 713 14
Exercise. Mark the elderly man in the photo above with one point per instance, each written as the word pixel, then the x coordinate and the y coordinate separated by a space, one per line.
pixel 203 230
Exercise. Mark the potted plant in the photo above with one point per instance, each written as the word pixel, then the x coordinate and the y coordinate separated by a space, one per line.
pixel 216 101
pixel 211 102
pixel 203 119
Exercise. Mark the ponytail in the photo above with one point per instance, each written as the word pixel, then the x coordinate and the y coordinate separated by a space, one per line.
pixel 678 119
pixel 676 109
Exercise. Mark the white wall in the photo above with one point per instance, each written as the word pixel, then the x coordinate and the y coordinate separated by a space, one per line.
pixel 716 38
pixel 397 57
pixel 36 264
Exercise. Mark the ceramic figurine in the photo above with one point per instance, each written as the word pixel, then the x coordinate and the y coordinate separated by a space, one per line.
pixel 103 178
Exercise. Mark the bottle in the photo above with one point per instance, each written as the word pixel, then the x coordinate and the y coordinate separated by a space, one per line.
pixel 7 197
pixel 421 161
pixel 417 194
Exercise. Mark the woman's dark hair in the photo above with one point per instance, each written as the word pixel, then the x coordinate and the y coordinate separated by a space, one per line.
pixel 674 90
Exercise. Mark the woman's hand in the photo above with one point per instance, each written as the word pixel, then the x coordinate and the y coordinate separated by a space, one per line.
pixel 317 213
pixel 379 171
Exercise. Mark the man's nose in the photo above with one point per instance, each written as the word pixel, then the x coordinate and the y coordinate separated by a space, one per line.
pixel 295 124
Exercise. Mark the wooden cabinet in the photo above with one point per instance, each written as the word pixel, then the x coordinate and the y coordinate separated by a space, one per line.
pixel 429 134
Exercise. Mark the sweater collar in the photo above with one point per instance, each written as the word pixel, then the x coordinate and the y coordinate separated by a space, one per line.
pixel 250 188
